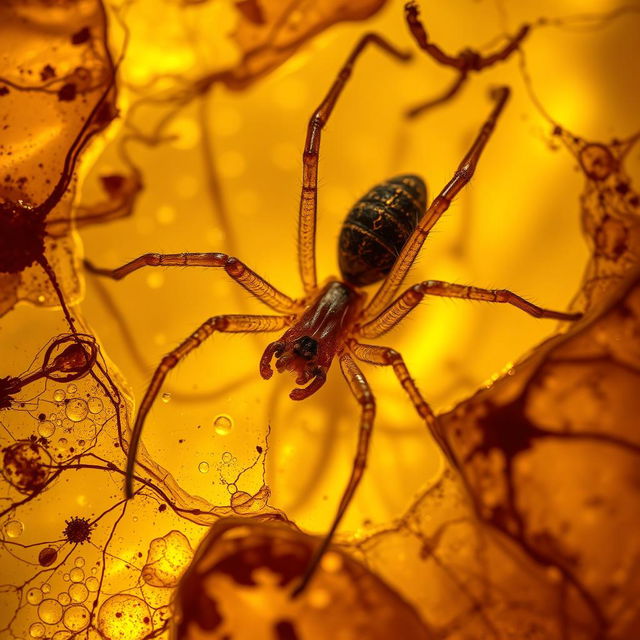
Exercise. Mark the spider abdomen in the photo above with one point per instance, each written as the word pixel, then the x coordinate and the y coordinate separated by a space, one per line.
pixel 377 228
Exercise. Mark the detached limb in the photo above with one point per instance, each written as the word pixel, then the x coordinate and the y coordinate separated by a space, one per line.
pixel 468 59
pixel 465 62
pixel 310 159
pixel 222 324
pixel 410 299
pixel 456 85
pixel 244 276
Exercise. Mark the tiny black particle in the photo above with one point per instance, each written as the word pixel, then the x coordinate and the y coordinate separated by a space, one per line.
pixel 67 92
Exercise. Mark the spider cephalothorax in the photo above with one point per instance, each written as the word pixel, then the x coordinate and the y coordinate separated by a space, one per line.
pixel 309 347
pixel 381 239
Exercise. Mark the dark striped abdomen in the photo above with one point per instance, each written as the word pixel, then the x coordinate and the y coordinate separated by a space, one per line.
pixel 377 227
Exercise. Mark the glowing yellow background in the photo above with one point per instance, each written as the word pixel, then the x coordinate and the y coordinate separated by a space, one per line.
pixel 516 226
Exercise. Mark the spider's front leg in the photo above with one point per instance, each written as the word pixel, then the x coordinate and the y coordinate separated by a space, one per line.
pixel 310 158
pixel 222 324
pixel 362 393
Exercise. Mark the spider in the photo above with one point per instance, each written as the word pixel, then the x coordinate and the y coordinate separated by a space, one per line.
pixel 379 241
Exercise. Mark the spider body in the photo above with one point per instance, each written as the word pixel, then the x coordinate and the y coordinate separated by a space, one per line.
pixel 378 226
pixel 381 238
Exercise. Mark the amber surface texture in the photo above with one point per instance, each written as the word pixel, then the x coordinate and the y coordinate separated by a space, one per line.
pixel 167 126
pixel 240 565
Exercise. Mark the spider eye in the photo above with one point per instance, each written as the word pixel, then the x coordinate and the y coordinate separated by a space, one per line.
pixel 306 347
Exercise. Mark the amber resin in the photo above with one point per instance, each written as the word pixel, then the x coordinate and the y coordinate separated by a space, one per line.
pixel 172 127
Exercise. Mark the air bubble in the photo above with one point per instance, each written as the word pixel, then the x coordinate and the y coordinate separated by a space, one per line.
pixel 226 457
pixel 231 488
pixel 79 562
pixel 50 611
pixel 95 405
pixel 76 617
pixel 59 395
pixel 36 630
pixel 72 388
pixel 203 467
pixel 166 397
pixel 64 598
pixel 46 588
pixel 34 596
pixel 77 410
pixel 13 528
pixel 78 592
pixel 223 424
pixel 76 574
pixel 46 429
pixel 92 583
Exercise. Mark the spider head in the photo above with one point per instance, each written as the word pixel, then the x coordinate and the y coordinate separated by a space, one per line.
pixel 300 355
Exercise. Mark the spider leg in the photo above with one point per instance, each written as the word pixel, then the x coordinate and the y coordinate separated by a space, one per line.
pixel 362 392
pixel 387 357
pixel 244 276
pixel 439 205
pixel 222 324
pixel 453 89
pixel 310 157
pixel 469 59
pixel 419 33
pixel 488 61
pixel 396 311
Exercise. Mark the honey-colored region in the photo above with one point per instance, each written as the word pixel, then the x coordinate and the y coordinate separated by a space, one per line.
pixel 169 126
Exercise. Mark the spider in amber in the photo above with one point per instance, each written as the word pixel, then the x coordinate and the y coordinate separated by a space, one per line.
pixel 379 241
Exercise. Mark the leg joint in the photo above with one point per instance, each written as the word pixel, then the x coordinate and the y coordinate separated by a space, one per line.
pixel 391 357
pixel 169 361
pixel 152 259
pixel 217 323
pixel 234 267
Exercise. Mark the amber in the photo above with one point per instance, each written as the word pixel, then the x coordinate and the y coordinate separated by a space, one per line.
pixel 172 126
pixel 243 563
